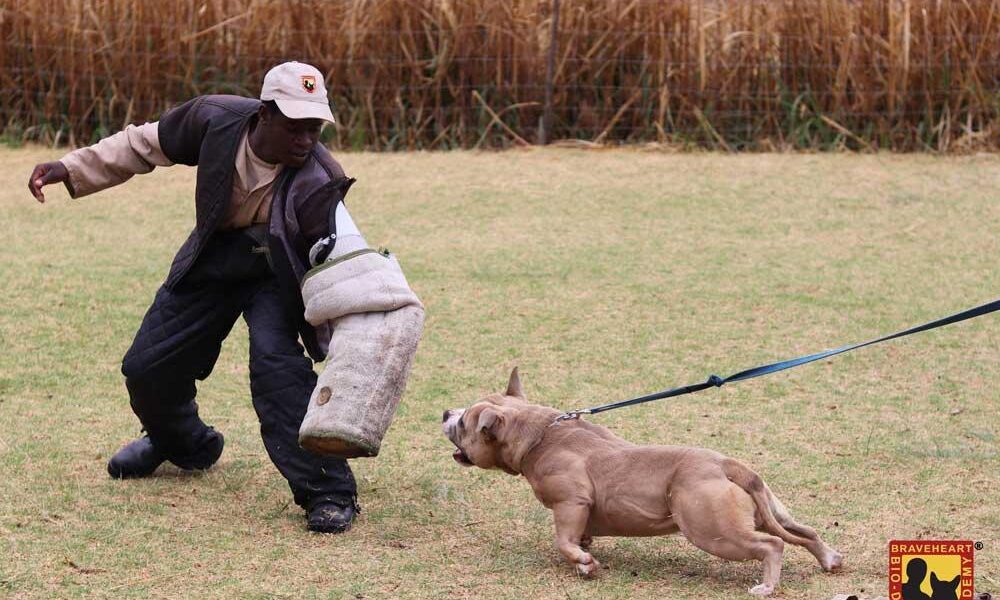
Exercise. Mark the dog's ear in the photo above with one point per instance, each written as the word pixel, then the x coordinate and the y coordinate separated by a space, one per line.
pixel 514 386
pixel 934 579
pixel 490 422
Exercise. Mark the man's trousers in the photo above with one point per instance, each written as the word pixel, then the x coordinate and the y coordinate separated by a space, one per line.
pixel 179 342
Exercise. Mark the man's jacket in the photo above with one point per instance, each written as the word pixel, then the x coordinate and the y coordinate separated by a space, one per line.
pixel 206 132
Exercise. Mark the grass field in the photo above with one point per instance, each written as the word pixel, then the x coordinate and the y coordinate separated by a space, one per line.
pixel 603 275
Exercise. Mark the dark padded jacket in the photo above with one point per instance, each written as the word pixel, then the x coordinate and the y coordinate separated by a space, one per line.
pixel 206 132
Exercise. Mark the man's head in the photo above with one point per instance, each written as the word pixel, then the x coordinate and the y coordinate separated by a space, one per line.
pixel 295 106
pixel 916 570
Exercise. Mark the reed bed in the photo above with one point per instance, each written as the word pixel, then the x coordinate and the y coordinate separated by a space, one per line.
pixel 414 74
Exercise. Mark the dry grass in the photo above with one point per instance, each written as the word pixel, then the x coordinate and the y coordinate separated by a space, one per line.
pixel 603 275
pixel 761 74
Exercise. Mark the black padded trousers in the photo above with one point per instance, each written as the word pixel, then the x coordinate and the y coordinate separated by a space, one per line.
pixel 179 342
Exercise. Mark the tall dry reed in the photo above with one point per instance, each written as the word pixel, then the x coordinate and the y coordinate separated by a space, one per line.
pixel 737 74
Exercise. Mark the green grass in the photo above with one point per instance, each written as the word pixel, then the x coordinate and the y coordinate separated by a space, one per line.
pixel 603 275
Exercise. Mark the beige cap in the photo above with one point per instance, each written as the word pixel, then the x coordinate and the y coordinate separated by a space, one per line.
pixel 298 90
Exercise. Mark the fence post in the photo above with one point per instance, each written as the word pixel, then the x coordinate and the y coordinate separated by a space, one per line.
pixel 550 73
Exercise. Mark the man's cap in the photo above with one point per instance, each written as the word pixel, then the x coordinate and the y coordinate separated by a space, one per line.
pixel 298 90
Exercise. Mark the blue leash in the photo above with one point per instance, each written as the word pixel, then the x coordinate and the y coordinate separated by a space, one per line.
pixel 716 381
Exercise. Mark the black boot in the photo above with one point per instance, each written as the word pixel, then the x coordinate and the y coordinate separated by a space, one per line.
pixel 208 452
pixel 137 459
pixel 328 516
pixel 140 458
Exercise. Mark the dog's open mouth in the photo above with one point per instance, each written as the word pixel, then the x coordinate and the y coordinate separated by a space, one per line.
pixel 461 458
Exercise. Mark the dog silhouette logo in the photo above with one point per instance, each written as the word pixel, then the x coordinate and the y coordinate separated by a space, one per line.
pixel 931 570
pixel 309 83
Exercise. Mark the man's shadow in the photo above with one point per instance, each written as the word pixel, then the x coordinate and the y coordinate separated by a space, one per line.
pixel 916 571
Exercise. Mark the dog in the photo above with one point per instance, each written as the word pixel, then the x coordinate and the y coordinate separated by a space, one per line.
pixel 597 484
pixel 943 589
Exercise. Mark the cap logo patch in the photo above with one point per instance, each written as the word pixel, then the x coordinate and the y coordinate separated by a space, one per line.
pixel 309 83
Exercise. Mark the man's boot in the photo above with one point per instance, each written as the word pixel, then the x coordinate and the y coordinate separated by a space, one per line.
pixel 328 516
pixel 137 459
pixel 141 457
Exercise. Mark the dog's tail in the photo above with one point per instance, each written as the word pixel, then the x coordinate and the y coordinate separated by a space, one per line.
pixel 741 475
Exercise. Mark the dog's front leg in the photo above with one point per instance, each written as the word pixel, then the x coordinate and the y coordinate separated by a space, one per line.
pixel 571 522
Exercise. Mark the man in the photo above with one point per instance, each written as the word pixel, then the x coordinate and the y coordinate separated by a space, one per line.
pixel 916 571
pixel 265 188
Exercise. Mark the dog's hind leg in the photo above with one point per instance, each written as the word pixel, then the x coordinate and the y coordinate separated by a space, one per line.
pixel 829 559
pixel 718 517
pixel 775 518
pixel 571 522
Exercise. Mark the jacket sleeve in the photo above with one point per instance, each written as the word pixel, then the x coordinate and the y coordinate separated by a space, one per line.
pixel 114 160
pixel 182 129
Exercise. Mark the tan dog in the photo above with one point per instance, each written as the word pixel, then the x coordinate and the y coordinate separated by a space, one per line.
pixel 598 484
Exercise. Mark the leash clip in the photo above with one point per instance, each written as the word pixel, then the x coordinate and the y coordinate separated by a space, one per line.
pixel 569 416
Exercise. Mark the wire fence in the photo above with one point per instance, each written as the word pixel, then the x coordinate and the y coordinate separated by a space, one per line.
pixel 429 74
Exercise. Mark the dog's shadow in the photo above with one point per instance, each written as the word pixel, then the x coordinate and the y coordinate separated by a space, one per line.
pixel 668 558
pixel 662 560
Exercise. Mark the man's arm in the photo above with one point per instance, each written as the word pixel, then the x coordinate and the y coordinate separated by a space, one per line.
pixel 113 160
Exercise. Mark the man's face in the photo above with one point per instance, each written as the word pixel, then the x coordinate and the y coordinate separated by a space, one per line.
pixel 288 141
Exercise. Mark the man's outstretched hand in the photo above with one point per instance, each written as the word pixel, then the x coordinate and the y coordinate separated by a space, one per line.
pixel 43 174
